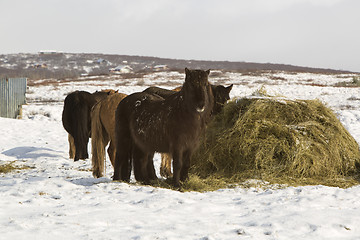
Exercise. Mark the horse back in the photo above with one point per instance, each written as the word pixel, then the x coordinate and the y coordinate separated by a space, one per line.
pixel 76 110
pixel 107 112
pixel 162 92
pixel 158 124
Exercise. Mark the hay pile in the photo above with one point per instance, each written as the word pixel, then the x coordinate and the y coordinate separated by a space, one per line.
pixel 280 141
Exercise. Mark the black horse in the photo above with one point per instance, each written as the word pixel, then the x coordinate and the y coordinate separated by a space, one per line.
pixel 147 123
pixel 76 120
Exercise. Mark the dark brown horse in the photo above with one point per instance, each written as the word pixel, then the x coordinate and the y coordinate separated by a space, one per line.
pixel 76 120
pixel 221 96
pixel 147 123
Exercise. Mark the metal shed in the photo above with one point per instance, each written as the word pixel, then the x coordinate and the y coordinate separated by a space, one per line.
pixel 12 96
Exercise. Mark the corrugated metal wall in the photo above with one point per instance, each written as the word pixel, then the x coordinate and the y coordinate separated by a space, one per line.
pixel 12 96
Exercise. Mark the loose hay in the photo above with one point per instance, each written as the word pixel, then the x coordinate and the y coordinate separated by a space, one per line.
pixel 6 168
pixel 280 141
pixel 9 167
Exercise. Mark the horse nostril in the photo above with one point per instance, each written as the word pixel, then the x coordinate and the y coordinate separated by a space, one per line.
pixel 200 110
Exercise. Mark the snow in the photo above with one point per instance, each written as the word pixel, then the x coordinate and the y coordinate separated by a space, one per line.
pixel 56 198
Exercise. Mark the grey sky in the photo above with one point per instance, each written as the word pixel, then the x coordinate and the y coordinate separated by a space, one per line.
pixel 314 33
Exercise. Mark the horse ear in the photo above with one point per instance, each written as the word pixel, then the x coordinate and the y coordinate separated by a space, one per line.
pixel 187 71
pixel 229 87
pixel 208 71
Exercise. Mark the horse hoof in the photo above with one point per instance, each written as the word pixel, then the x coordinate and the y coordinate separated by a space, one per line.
pixel 97 174
pixel 180 189
pixel 166 174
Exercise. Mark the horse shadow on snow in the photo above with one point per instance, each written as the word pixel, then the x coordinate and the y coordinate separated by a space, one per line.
pixel 32 152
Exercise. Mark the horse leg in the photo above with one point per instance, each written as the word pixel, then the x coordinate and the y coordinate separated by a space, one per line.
pixel 177 166
pixel 81 144
pixel 121 164
pixel 184 174
pixel 141 164
pixel 111 151
pixel 137 162
pixel 165 168
pixel 99 141
pixel 71 147
pixel 150 167
pixel 122 157
pixel 77 149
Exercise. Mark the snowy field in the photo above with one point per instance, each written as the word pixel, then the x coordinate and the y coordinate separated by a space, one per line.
pixel 56 198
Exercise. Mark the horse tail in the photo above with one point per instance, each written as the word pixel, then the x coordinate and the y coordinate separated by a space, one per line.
pixel 66 122
pixel 81 119
pixel 76 121
pixel 165 167
pixel 99 138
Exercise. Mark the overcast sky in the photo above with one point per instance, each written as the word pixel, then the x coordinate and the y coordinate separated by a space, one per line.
pixel 314 33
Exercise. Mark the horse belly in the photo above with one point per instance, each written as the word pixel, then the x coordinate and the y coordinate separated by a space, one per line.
pixel 150 138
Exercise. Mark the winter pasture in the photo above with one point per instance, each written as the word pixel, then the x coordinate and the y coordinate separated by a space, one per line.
pixel 52 197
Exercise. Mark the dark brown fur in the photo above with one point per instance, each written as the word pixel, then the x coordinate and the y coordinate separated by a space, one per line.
pixel 159 91
pixel 148 123
pixel 221 96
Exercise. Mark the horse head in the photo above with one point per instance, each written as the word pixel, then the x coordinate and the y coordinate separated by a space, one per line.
pixel 197 91
pixel 221 96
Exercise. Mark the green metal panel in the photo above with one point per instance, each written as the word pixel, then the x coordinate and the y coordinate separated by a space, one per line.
pixel 12 96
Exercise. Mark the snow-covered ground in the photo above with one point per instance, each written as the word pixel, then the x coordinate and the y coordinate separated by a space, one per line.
pixel 56 198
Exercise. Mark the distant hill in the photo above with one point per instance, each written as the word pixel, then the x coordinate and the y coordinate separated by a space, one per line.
pixel 70 65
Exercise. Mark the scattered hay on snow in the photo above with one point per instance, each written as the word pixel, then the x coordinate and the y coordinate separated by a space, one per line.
pixel 10 166
pixel 280 141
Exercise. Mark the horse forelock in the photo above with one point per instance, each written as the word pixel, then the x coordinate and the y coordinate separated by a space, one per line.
pixel 196 91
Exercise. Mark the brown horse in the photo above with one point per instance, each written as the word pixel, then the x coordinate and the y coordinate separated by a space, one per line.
pixel 148 123
pixel 103 132
pixel 76 120
pixel 221 96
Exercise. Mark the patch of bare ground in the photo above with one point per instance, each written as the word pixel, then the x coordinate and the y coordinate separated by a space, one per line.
pixel 262 82
pixel 125 82
pixel 132 75
pixel 347 107
pixel 316 84
pixel 346 84
pixel 277 78
pixel 354 99
pixel 354 83
pixel 311 82
pixel 125 76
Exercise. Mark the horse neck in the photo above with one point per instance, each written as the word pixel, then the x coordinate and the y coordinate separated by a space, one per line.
pixel 100 95
pixel 183 102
